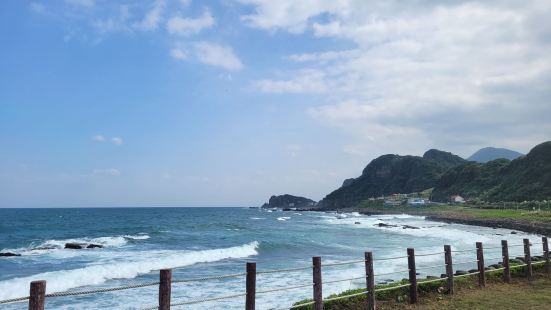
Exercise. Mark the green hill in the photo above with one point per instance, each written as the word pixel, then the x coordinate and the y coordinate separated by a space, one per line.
pixel 390 174
pixel 525 178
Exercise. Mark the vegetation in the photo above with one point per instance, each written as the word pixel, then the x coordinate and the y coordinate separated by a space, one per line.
pixel 496 295
pixel 390 174
pixel 525 178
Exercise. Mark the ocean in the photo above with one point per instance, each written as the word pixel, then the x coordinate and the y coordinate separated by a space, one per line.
pixel 204 242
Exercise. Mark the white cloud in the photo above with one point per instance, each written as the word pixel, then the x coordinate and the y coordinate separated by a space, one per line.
pixel 178 52
pixel 217 55
pixel 107 172
pixel 153 17
pixel 436 73
pixel 186 26
pixel 117 140
pixel 81 3
pixel 98 138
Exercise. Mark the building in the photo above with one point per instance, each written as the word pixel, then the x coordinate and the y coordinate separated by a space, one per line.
pixel 457 199
pixel 417 201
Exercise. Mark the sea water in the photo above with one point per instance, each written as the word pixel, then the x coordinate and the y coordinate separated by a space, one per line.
pixel 205 242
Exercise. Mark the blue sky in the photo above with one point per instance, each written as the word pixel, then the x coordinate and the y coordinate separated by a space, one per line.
pixel 188 103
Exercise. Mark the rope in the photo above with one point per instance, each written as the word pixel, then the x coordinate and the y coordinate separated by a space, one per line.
pixel 210 278
pixel 20 299
pixel 433 280
pixel 101 290
pixel 346 296
pixel 389 258
pixel 284 288
pixel 394 272
pixel 343 280
pixel 430 254
pixel 492 248
pixel 467 274
pixel 344 263
pixel 283 270
pixel 429 267
pixel 465 262
pixel 463 251
pixel 392 288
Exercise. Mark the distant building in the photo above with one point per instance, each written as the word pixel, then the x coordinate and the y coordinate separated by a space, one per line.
pixel 395 200
pixel 416 201
pixel 457 199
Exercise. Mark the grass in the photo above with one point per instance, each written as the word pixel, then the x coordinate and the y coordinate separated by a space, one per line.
pixel 521 293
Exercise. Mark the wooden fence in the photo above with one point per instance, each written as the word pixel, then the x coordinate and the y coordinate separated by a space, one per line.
pixel 38 296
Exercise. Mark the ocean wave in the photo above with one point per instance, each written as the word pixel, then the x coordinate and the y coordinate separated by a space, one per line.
pixel 139 263
pixel 53 244
pixel 283 218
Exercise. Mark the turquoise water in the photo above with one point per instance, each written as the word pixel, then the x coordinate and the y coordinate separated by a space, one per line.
pixel 199 242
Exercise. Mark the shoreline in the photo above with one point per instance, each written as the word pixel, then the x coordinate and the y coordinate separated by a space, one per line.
pixel 527 226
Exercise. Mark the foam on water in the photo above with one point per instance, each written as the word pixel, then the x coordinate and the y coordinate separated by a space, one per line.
pixel 139 263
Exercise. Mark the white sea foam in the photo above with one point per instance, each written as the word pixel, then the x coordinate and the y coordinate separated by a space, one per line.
pixel 257 218
pixel 283 218
pixel 135 265
pixel 52 245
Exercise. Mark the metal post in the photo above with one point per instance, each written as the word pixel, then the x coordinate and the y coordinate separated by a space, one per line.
pixel 37 295
pixel 480 258
pixel 546 255
pixel 449 267
pixel 251 286
pixel 370 281
pixel 165 288
pixel 505 254
pixel 527 259
pixel 318 297
pixel 412 276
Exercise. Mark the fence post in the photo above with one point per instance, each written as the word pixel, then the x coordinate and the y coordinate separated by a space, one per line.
pixel 505 254
pixel 251 286
pixel 412 276
pixel 370 281
pixel 318 297
pixel 37 298
pixel 527 258
pixel 546 255
pixel 480 258
pixel 165 288
pixel 449 267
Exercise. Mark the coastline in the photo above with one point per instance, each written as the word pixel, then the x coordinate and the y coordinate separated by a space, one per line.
pixel 528 226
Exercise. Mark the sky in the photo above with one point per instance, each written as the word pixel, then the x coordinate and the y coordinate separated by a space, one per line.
pixel 225 103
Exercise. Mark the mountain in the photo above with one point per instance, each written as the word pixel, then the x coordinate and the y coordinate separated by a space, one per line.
pixel 524 178
pixel 487 154
pixel 390 174
pixel 289 201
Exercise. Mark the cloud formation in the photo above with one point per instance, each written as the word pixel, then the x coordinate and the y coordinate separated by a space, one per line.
pixel 217 55
pixel 439 74
pixel 186 26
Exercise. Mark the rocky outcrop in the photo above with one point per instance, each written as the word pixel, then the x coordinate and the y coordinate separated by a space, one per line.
pixel 9 254
pixel 78 246
pixel 289 201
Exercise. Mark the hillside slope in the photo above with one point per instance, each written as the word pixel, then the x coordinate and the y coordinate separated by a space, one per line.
pixel 389 174
pixel 487 154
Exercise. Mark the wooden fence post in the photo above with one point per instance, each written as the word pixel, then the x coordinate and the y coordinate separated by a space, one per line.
pixel 527 259
pixel 546 255
pixel 318 296
pixel 251 287
pixel 449 267
pixel 412 276
pixel 165 288
pixel 370 281
pixel 505 254
pixel 480 258
pixel 37 295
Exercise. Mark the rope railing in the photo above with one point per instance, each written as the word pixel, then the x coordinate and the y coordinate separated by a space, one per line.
pixel 166 281
pixel 235 275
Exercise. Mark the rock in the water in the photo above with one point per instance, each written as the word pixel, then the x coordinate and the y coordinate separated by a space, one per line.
pixel 513 233
pixel 385 225
pixel 9 254
pixel 409 227
pixel 443 275
pixel 473 270
pixel 93 246
pixel 432 277
pixel 357 223
pixel 520 258
pixel 75 246
pixel 460 272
